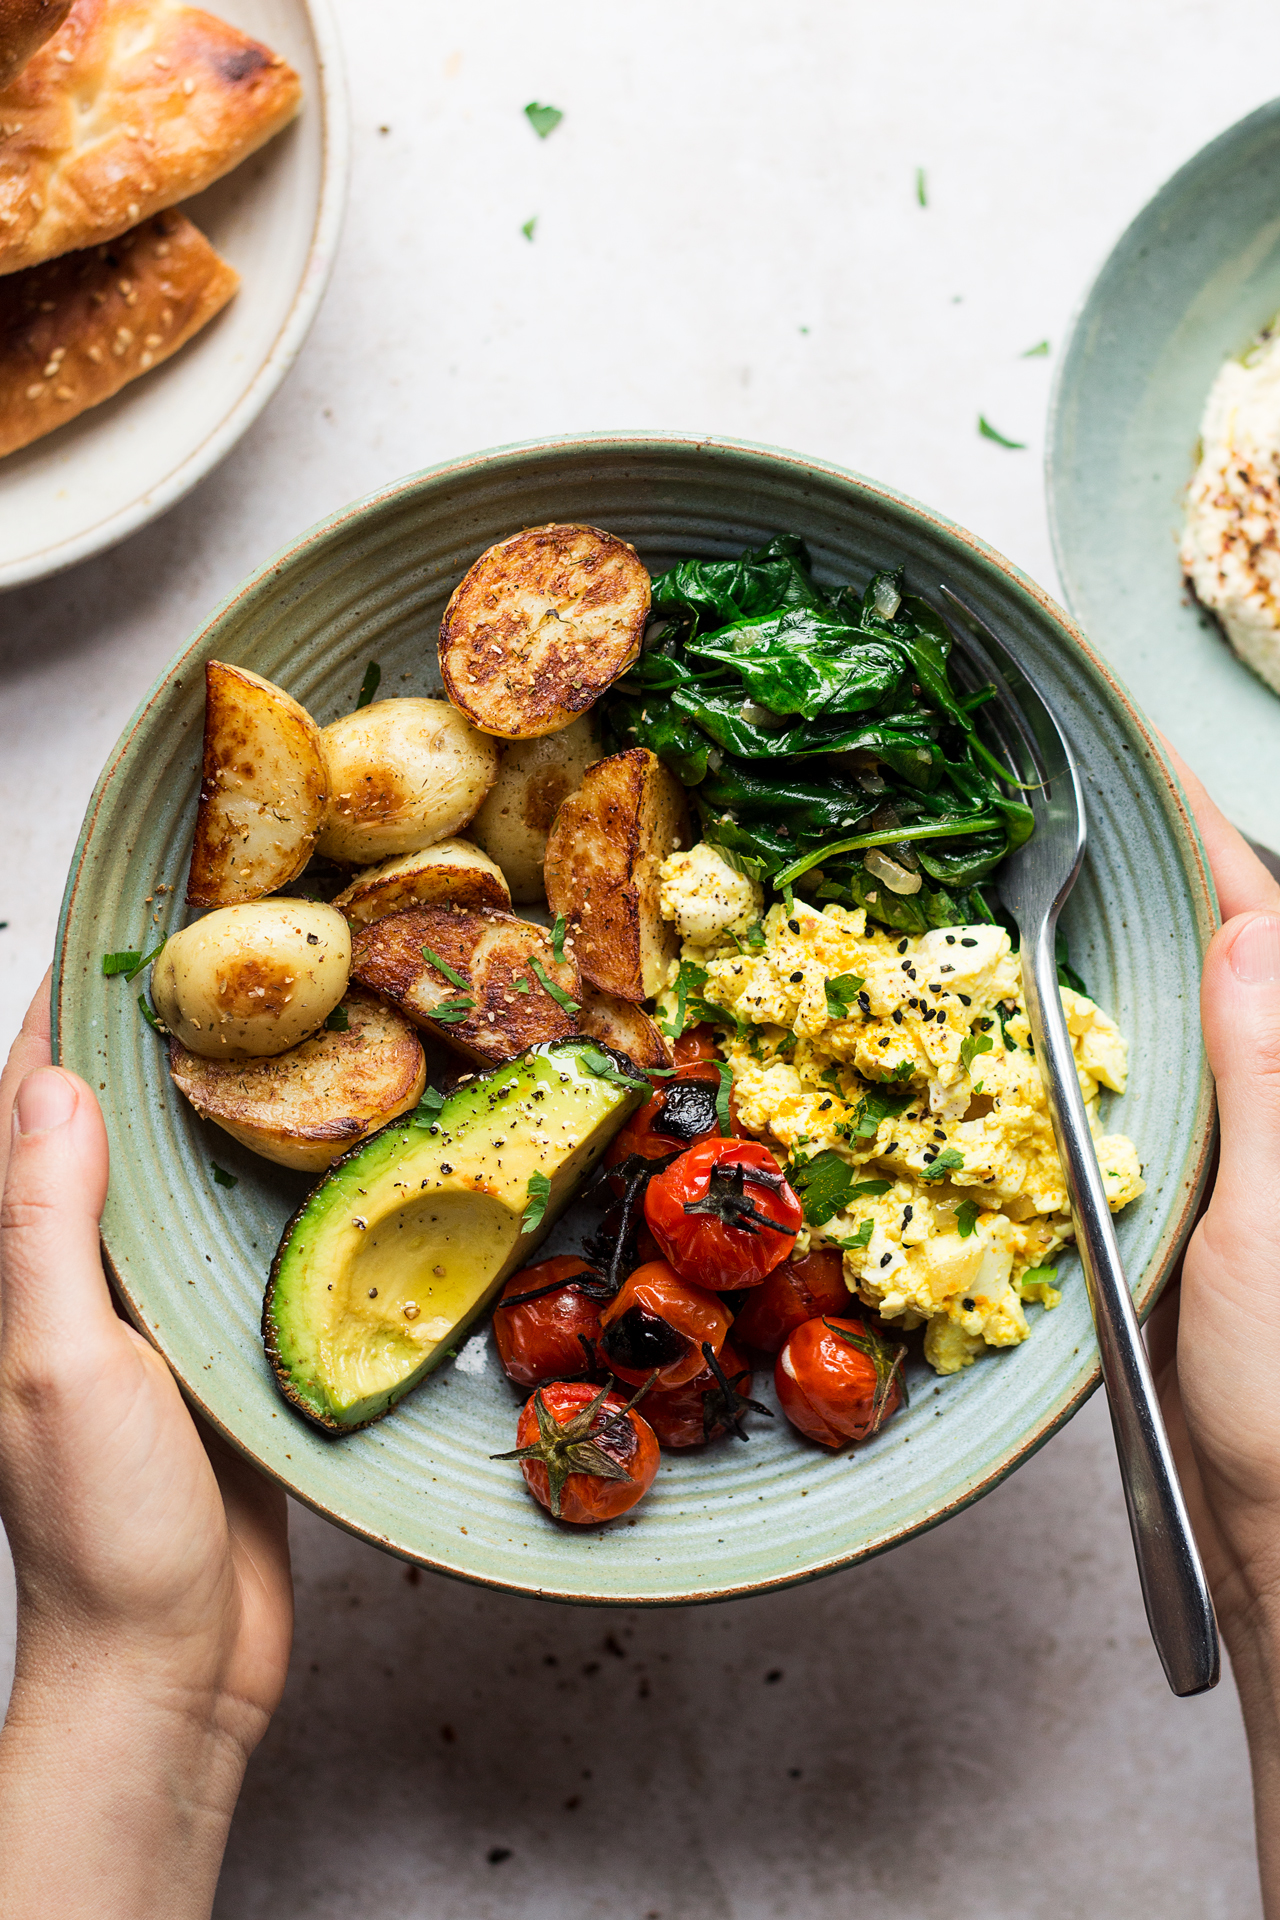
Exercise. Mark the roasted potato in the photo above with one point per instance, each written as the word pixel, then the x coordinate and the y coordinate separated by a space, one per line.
pixel 603 856
pixel 247 983
pixel 403 774
pixel 534 776
pixel 623 1025
pixel 264 786
pixel 307 1107
pixel 501 1008
pixel 541 625
pixel 451 874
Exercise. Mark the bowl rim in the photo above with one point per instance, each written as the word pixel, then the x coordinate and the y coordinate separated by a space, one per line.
pixel 266 579
pixel 335 167
pixel 1065 375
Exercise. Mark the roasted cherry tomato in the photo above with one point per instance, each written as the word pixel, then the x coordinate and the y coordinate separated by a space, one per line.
pixel 657 1322
pixel 696 1043
pixel 681 1112
pixel 710 1404
pixel 553 1335
pixel 723 1214
pixel 584 1452
pixel 793 1292
pixel 838 1380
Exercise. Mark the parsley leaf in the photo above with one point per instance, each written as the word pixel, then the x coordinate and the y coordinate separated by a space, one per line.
pixel 823 1185
pixel 338 1021
pixel 1039 1283
pixel 130 962
pixel 558 931
pixel 528 227
pixel 1038 352
pixel 723 1114
pixel 538 1192
pixel 875 1106
pixel 862 1237
pixel 150 1015
pixel 443 967
pixel 967 1217
pixel 223 1178
pixel 427 1108
pixel 947 1162
pixel 922 190
pixel 842 995
pixel 904 1070
pixel 450 1012
pixel 872 1188
pixel 369 685
pixel 989 432
pixel 543 120
pixel 971 1046
pixel 558 994
pixel 604 1069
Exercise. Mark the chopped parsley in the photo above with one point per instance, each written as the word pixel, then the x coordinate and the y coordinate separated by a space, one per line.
pixel 558 931
pixel 150 1015
pixel 971 1046
pixel 558 994
pixel 537 1194
pixel 722 1099
pixel 967 1217
pixel 129 962
pixel 543 120
pixel 823 1185
pixel 369 685
pixel 947 1162
pixel 223 1178
pixel 450 1012
pixel 863 1236
pixel 338 1021
pixel 442 966
pixel 989 432
pixel 842 995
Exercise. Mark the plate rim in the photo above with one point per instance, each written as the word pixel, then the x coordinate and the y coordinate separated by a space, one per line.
pixel 265 578
pixel 335 168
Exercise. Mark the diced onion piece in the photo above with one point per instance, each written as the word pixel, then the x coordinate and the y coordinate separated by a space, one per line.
pixel 896 878
pixel 887 601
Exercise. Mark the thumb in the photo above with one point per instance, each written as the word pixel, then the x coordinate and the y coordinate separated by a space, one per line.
pixel 1240 1010
pixel 56 1182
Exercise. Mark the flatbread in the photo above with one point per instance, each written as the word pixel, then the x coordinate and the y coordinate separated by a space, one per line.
pixel 130 107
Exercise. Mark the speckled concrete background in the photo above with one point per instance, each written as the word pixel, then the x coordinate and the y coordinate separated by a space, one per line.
pixel 728 238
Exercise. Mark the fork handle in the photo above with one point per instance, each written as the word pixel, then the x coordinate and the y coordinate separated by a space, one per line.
pixel 1174 1588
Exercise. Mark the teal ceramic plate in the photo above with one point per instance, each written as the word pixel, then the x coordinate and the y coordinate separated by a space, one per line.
pixel 190 1256
pixel 1191 282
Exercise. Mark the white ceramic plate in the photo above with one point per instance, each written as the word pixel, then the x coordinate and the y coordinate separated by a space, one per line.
pixel 276 219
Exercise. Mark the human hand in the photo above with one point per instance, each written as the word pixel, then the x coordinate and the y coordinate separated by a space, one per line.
pixel 154 1599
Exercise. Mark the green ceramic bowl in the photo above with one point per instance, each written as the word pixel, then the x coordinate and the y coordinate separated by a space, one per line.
pixel 1190 283
pixel 190 1256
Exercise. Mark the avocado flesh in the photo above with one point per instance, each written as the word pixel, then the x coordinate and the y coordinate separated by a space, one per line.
pixel 428 1216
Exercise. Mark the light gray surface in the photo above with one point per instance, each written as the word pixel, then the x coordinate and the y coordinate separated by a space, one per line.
pixel 982 1726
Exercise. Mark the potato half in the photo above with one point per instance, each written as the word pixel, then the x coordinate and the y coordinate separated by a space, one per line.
pixel 264 786
pixel 403 774
pixel 603 856
pixel 246 983
pixel 533 778
pixel 307 1107
pixel 451 874
pixel 502 1007
pixel 541 625
pixel 623 1025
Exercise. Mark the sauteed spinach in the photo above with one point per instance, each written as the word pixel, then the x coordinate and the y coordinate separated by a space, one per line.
pixel 822 738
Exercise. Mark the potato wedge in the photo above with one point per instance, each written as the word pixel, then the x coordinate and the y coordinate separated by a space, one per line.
pixel 403 774
pixel 603 856
pixel 541 625
pixel 307 1107
pixel 264 786
pixel 623 1025
pixel 533 778
pixel 502 1008
pixel 453 873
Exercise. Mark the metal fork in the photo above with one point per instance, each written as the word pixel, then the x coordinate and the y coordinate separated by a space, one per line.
pixel 1034 883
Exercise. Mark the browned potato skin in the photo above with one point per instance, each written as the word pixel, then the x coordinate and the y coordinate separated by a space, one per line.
pixel 534 776
pixel 492 952
pixel 515 672
pixel 453 873
pixel 307 1107
pixel 603 856
pixel 264 787
pixel 624 1026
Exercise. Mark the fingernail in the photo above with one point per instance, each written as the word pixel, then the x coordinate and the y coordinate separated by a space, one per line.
pixel 46 1099
pixel 1255 951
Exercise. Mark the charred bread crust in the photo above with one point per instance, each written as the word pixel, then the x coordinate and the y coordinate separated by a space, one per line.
pixel 76 330
pixel 25 25
pixel 131 106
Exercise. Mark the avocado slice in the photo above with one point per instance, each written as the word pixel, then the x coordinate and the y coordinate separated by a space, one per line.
pixel 406 1240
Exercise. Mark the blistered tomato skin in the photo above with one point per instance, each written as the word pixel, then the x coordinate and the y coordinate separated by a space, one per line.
pixel 587 1498
pixel 837 1380
pixel 723 1214
pixel 681 1113
pixel 696 1043
pixel 543 1339
pixel 657 1322
pixel 689 1415
pixel 796 1291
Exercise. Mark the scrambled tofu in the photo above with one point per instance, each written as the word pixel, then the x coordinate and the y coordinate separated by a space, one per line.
pixel 907 1063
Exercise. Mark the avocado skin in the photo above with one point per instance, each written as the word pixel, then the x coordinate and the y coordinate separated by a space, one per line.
pixel 401 1147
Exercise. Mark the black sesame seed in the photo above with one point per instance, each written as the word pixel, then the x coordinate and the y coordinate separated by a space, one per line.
pixel 968 943
pixel 968 1305
pixel 897 1015
pixel 885 1258
pixel 907 1214
pixel 823 1105
pixel 864 1002
pixel 796 976
pixel 794 925
pixel 951 939
pixel 902 946
pixel 938 1134
pixel 964 1000
pixel 892 1147
pixel 911 972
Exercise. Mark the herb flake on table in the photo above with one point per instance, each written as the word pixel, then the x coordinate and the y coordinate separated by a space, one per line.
pixel 922 189
pixel 528 228
pixel 1038 352
pixel 989 432
pixel 543 120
